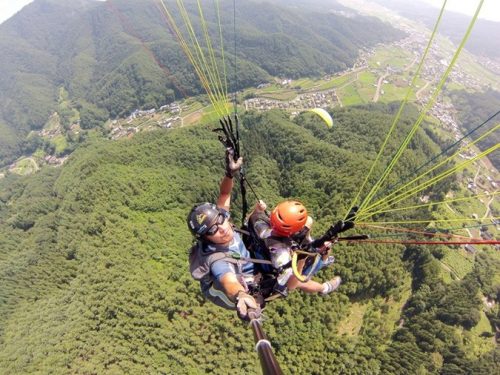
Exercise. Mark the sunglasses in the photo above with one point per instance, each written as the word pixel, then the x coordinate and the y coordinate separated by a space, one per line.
pixel 219 220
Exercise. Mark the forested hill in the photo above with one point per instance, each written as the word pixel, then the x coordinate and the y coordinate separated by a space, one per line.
pixel 93 262
pixel 115 56
pixel 471 109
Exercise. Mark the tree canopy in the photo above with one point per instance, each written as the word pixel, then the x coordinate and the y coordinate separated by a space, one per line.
pixel 93 262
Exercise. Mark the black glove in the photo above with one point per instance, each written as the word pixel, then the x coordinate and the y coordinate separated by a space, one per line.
pixel 351 216
pixel 228 138
pixel 339 227
pixel 343 225
pixel 232 166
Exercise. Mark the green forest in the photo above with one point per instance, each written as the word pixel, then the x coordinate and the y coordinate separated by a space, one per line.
pixel 117 56
pixel 94 261
pixel 94 274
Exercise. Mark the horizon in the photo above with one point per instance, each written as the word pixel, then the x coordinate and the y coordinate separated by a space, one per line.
pixel 490 10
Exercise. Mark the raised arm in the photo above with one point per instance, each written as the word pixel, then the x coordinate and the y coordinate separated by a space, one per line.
pixel 226 185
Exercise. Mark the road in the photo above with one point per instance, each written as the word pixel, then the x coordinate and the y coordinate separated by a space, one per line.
pixel 477 174
pixel 450 270
pixel 488 209
pixel 488 204
pixel 411 64
pixel 452 210
pixel 421 90
pixel 379 86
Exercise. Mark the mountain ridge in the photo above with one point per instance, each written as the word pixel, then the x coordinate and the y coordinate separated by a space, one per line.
pixel 102 54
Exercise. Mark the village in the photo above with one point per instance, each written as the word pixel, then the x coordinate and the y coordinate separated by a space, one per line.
pixel 119 129
pixel 322 99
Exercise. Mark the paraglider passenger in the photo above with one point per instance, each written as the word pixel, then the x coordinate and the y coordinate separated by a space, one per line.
pixel 287 229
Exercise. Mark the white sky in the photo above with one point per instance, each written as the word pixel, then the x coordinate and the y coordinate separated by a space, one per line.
pixel 490 9
pixel 9 7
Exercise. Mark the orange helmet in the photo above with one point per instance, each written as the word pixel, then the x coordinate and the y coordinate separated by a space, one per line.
pixel 288 218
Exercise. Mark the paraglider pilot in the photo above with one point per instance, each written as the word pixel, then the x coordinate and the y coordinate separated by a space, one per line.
pixel 222 280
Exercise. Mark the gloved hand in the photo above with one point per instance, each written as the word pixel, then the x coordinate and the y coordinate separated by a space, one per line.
pixel 325 248
pixel 260 206
pixel 339 227
pixel 343 225
pixel 244 303
pixel 232 166
pixel 351 216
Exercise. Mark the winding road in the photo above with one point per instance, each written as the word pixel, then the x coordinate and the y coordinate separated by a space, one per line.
pixel 379 86
pixel 417 94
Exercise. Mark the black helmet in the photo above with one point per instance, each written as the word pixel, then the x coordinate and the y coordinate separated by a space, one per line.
pixel 202 217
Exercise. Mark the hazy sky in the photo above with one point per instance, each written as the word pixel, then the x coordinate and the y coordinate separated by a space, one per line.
pixel 490 9
pixel 9 7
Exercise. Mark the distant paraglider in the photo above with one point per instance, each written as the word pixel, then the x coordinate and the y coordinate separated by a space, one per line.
pixel 325 116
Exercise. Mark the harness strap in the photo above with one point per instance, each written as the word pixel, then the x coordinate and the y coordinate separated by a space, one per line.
pixel 235 258
pixel 242 231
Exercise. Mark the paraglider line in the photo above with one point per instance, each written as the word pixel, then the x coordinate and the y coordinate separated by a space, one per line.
pixel 235 85
pixel 425 233
pixel 403 242
pixel 396 118
pixel 402 180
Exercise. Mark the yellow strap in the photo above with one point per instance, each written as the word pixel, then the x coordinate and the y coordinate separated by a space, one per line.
pixel 304 278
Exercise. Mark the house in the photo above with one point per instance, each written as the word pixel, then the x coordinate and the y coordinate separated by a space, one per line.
pixel 470 249
pixel 485 235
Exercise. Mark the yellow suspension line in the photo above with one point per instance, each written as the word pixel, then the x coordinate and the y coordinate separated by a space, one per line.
pixel 425 110
pixel 222 49
pixel 450 158
pixel 216 72
pixel 445 174
pixel 383 202
pixel 398 115
pixel 413 231
pixel 212 68
pixel 188 52
pixel 207 73
pixel 437 178
pixel 197 59
pixel 364 217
